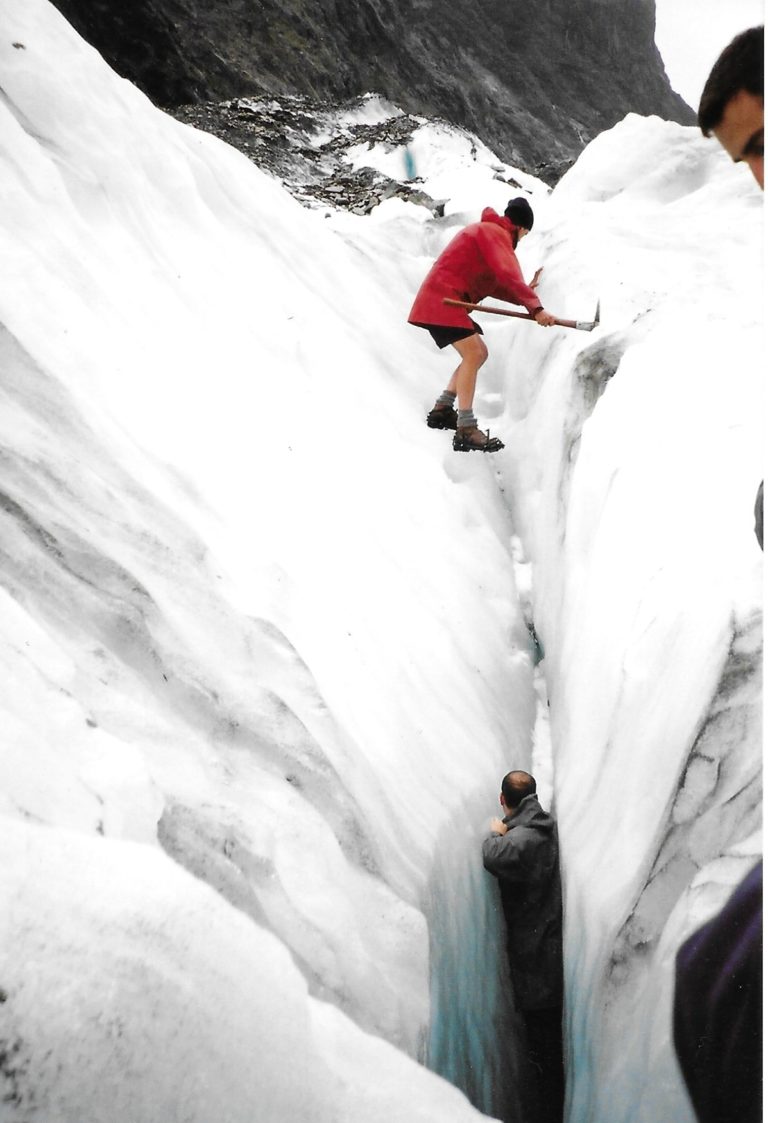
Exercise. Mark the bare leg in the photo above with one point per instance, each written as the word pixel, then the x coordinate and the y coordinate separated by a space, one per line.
pixel 473 354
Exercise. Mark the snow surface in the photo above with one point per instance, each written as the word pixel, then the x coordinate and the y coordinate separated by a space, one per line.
pixel 265 658
pixel 453 165
pixel 636 460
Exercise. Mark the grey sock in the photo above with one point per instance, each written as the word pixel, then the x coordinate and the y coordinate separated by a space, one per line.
pixel 467 419
pixel 446 399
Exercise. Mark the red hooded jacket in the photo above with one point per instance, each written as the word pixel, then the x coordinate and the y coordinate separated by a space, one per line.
pixel 480 261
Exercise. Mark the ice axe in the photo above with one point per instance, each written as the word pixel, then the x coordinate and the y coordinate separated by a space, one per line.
pixel 580 325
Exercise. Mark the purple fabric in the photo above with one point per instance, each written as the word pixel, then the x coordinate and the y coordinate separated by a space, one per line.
pixel 718 1009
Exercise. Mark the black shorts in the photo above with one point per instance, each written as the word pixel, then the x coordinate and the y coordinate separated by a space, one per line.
pixel 444 336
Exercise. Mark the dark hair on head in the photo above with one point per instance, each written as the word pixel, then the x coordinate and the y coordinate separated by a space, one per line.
pixel 740 67
pixel 515 787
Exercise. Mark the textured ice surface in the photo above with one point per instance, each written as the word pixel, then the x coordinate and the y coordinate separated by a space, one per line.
pixel 637 454
pixel 249 621
pixel 132 991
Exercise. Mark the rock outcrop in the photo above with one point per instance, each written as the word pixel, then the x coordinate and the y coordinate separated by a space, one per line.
pixel 281 137
pixel 534 79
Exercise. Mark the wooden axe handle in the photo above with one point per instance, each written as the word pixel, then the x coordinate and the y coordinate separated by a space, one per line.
pixel 578 324
pixel 487 308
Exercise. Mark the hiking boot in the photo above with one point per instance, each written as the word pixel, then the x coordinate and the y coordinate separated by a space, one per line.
pixel 442 417
pixel 469 438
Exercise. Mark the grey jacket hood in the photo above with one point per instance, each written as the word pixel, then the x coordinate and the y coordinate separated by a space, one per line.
pixel 530 813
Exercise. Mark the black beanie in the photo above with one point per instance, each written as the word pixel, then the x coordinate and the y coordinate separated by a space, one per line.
pixel 519 211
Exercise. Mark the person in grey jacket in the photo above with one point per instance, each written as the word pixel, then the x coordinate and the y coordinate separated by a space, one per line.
pixel 521 851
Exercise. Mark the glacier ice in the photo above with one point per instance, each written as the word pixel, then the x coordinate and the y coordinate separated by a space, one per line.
pixel 265 661
pixel 635 463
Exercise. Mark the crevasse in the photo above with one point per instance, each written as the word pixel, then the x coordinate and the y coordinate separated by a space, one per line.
pixel 264 657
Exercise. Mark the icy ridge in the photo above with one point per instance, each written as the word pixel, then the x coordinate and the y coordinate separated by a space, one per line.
pixel 637 460
pixel 232 636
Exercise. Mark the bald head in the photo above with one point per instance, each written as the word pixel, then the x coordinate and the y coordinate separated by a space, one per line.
pixel 515 787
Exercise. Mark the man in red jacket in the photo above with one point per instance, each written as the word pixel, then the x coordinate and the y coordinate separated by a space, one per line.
pixel 480 261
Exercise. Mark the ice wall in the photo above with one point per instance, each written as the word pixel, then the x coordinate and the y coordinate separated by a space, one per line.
pixel 264 658
pixel 256 620
pixel 636 455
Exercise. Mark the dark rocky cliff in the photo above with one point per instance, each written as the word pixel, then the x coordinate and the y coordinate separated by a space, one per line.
pixel 535 79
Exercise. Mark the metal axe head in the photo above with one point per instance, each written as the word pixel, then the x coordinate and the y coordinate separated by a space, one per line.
pixel 589 325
